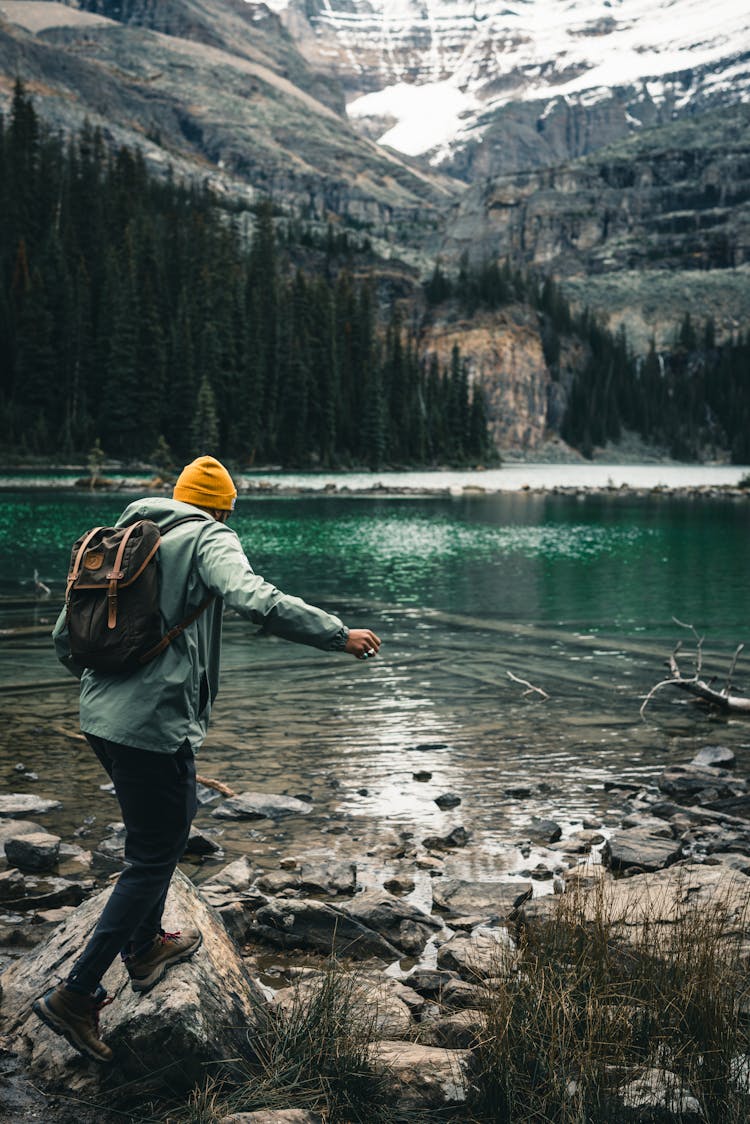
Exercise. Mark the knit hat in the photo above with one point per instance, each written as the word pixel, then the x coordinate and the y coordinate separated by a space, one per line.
pixel 206 483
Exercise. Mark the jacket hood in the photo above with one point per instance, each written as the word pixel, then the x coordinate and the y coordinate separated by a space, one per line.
pixel 161 510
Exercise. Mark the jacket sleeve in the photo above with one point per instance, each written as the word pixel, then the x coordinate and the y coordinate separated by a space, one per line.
pixel 224 568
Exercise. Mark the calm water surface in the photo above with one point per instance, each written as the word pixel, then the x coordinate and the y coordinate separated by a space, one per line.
pixel 576 595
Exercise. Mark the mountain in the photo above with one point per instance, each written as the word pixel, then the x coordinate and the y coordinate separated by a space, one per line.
pixel 479 88
pixel 217 90
pixel 642 231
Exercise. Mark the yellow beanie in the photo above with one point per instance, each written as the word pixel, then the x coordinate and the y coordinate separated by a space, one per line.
pixel 206 483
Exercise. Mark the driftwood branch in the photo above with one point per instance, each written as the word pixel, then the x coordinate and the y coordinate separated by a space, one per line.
pixel 531 688
pixel 704 691
pixel 209 782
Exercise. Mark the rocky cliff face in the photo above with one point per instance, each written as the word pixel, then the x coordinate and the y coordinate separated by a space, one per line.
pixel 668 209
pixel 503 354
pixel 218 93
pixel 671 198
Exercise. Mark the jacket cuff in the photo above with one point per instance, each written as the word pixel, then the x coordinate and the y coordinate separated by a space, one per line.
pixel 337 642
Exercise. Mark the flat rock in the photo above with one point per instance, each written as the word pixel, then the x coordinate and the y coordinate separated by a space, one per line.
pixel 430 982
pixel 487 899
pixel 37 851
pixel 460 1029
pixel 26 804
pixel 162 1039
pixel 399 884
pixel 478 955
pixel 199 843
pixel 328 878
pixel 274 1116
pixel 715 757
pixel 375 1003
pixel 460 995
pixel 697 784
pixel 260 806
pixel 423 1077
pixel 404 925
pixel 304 923
pixel 40 892
pixel 11 829
pixel 638 847
pixel 12 885
pixel 231 882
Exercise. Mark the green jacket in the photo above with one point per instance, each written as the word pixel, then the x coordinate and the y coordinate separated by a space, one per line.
pixel 168 700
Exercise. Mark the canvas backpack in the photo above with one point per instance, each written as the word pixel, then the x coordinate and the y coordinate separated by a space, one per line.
pixel 112 597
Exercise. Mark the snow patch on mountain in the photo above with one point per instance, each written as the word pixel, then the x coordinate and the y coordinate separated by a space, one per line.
pixel 446 62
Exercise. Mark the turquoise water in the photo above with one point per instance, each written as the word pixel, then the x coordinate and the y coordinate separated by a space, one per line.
pixel 616 564
pixel 574 594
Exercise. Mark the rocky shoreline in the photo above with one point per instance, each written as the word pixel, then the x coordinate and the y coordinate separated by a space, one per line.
pixel 422 970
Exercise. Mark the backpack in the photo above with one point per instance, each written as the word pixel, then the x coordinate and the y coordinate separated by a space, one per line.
pixel 112 598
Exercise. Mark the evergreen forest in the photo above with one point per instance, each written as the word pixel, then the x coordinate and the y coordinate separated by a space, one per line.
pixel 137 316
pixel 134 316
pixel 692 400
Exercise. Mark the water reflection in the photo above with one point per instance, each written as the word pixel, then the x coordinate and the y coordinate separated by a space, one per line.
pixel 576 596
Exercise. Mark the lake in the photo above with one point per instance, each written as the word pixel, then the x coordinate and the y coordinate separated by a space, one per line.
pixel 575 594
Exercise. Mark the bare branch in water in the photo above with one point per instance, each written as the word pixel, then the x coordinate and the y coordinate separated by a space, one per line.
pixel 530 686
pixel 721 699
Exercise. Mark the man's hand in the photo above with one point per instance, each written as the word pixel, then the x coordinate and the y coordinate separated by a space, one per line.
pixel 362 643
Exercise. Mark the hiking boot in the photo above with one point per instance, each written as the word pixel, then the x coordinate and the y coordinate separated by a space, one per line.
pixel 76 1017
pixel 149 967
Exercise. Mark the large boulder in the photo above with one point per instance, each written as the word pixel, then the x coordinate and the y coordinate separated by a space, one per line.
pixel 404 925
pixel 699 784
pixel 479 955
pixel 303 923
pixel 164 1040
pixel 423 1077
pixel 33 851
pixel 637 847
pixel 488 899
pixel 375 1002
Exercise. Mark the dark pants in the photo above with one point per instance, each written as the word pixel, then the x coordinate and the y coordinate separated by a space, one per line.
pixel 157 797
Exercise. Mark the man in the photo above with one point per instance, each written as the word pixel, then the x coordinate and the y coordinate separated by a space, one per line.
pixel 146 726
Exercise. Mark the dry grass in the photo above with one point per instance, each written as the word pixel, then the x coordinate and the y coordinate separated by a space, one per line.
pixel 597 1002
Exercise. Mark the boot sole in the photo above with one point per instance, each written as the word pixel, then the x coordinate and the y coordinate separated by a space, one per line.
pixel 59 1026
pixel 145 985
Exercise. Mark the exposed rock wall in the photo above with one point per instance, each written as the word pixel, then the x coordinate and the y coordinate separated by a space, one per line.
pixel 503 353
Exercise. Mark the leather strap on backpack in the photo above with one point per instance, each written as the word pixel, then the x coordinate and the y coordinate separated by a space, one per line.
pixel 178 629
pixel 115 575
pixel 173 633
pixel 79 558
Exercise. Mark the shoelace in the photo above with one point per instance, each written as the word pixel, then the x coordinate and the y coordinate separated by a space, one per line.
pixel 164 937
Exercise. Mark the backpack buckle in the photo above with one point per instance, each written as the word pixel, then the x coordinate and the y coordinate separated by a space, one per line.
pixel 116 575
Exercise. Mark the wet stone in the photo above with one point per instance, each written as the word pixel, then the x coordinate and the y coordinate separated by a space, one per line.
pixel 261 805
pixel 38 851
pixel 640 849
pixel 399 884
pixel 304 923
pixel 458 837
pixel 26 804
pixel 11 829
pixel 544 831
pixel 448 800
pixel 690 784
pixel 430 982
pixel 478 955
pixel 423 775
pixel 199 843
pixel 715 757
pixel 405 926
pixel 488 899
